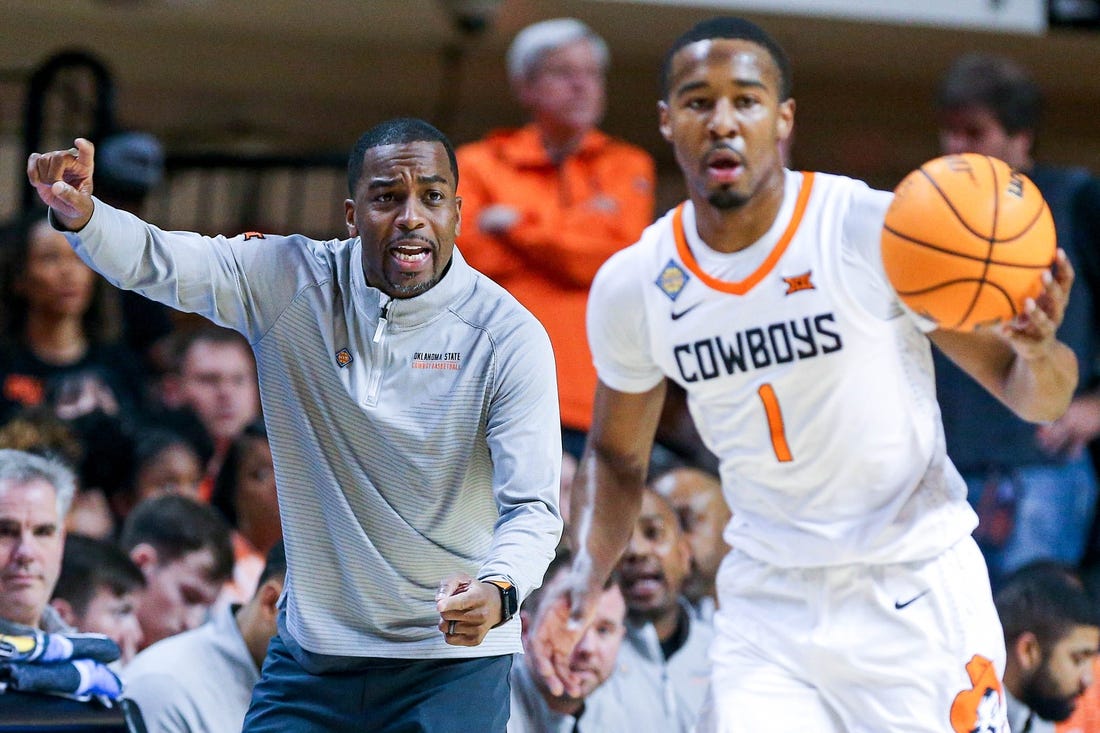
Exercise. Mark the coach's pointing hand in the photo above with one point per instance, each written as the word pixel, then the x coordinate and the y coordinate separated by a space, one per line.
pixel 63 180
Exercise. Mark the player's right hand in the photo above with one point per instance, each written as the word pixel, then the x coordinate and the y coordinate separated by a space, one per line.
pixel 563 616
pixel 63 180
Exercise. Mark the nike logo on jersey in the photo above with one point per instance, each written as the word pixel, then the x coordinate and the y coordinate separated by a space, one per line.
pixel 798 283
pixel 903 604
pixel 677 316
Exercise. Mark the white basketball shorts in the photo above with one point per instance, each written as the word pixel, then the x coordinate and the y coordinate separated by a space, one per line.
pixel 904 648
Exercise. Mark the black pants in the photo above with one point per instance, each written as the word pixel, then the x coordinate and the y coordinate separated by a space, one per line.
pixel 381 696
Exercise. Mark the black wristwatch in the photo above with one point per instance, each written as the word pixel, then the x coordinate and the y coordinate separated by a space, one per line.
pixel 509 599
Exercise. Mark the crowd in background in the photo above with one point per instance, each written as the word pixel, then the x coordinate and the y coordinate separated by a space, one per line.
pixel 173 540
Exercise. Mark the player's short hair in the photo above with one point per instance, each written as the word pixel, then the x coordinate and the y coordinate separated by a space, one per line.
pixel 532 44
pixel 995 83
pixel 176 525
pixel 21 467
pixel 732 28
pixel 89 564
pixel 397 131
pixel 1046 598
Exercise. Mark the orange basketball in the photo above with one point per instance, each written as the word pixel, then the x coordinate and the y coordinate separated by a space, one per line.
pixel 966 241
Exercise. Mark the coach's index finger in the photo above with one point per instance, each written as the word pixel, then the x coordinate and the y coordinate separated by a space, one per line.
pixel 63 180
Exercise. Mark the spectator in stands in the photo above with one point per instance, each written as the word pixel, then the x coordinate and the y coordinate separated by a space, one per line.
pixel 1086 713
pixel 184 551
pixel 35 494
pixel 1034 486
pixel 543 206
pixel 696 495
pixel 201 680
pixel 244 493
pixel 58 319
pixel 214 377
pixel 37 430
pixel 664 667
pixel 164 462
pixel 1052 631
pixel 534 709
pixel 97 592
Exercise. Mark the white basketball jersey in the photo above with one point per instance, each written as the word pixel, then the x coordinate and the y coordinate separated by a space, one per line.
pixel 804 376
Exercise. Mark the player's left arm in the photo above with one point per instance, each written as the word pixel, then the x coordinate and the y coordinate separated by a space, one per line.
pixel 1021 362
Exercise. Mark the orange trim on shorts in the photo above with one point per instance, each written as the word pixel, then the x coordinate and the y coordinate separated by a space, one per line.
pixel 743 286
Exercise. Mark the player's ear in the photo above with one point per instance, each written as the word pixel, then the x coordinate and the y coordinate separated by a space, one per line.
pixel 458 216
pixel 664 124
pixel 785 123
pixel 349 217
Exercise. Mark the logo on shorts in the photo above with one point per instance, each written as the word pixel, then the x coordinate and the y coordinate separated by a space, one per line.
pixel 900 604
pixel 672 280
pixel 343 358
pixel 797 283
pixel 981 708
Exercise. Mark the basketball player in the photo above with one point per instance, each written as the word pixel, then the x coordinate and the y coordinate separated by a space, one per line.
pixel 854 598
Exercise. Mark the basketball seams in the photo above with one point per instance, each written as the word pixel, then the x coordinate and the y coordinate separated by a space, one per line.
pixel 952 208
pixel 1027 227
pixel 931 232
pixel 962 255
pixel 969 311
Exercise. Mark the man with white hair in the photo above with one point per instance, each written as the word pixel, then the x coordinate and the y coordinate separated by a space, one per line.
pixel 35 495
pixel 546 204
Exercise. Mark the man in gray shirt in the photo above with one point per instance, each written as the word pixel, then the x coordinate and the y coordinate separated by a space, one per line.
pixel 412 412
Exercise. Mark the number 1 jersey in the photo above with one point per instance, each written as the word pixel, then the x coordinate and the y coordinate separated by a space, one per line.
pixel 804 375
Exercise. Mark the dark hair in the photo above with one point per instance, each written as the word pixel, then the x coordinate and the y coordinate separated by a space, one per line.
pixel 101 320
pixel 181 423
pixel 735 29
pixel 994 83
pixel 396 132
pixel 224 496
pixel 182 342
pixel 1046 598
pixel 149 443
pixel 175 526
pixel 275 564
pixel 89 564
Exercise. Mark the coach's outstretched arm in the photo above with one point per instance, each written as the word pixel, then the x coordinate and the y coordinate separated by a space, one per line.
pixel 1021 362
pixel 606 500
pixel 63 180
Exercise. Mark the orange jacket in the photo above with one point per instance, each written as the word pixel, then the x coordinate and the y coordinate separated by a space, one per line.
pixel 573 217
